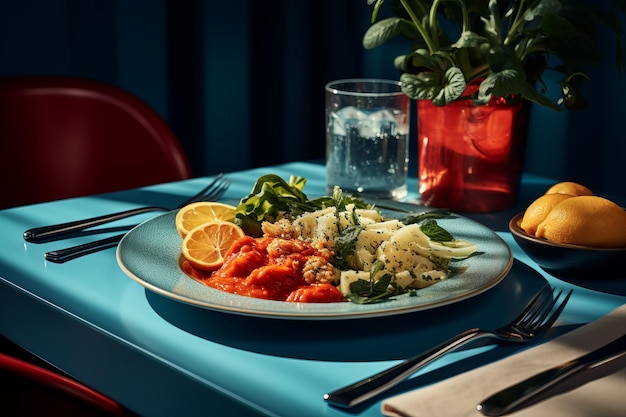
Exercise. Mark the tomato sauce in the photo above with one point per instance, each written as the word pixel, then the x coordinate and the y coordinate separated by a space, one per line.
pixel 268 268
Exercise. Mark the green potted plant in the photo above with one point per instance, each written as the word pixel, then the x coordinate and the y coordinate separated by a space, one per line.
pixel 474 66
pixel 505 44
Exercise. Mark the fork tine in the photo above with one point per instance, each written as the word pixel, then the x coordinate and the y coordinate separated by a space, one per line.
pixel 546 322
pixel 211 192
pixel 541 309
pixel 532 304
pixel 537 311
pixel 218 192
pixel 542 316
pixel 208 189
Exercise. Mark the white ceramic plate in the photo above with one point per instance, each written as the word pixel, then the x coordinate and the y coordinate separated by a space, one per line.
pixel 150 254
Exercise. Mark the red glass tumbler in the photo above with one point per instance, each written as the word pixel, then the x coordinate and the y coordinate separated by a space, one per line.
pixel 471 157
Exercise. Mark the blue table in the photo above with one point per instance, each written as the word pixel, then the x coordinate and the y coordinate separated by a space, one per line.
pixel 157 356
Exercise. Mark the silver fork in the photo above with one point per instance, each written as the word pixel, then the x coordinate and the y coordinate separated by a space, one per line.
pixel 64 230
pixel 538 316
pixel 67 254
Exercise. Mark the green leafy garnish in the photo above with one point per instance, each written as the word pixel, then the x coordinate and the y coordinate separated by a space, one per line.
pixel 435 232
pixel 345 243
pixel 340 201
pixel 420 217
pixel 372 290
pixel 272 196
pixel 368 292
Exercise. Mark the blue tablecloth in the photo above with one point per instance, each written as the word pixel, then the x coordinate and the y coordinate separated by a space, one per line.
pixel 160 357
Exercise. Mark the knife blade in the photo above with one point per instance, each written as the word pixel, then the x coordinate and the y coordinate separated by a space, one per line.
pixel 509 398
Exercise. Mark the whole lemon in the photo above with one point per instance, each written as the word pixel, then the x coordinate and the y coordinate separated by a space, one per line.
pixel 569 187
pixel 587 221
pixel 539 209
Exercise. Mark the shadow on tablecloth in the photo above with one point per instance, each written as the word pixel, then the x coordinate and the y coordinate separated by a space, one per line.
pixel 367 339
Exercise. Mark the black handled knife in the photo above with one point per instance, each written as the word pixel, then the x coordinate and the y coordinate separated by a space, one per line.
pixel 509 398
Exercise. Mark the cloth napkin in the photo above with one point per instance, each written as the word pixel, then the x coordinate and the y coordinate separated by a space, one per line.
pixel 599 392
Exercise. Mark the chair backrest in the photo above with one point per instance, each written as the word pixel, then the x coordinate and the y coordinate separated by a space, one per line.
pixel 65 137
pixel 30 390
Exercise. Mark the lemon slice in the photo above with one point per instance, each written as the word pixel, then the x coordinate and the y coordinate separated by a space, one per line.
pixel 205 245
pixel 195 214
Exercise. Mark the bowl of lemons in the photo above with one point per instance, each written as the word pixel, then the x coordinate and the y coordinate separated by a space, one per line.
pixel 570 232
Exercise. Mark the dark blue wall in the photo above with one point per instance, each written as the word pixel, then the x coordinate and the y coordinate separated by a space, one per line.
pixel 241 81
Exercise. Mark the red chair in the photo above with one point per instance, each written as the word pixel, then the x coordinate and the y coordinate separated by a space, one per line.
pixel 60 138
pixel 31 387
pixel 66 137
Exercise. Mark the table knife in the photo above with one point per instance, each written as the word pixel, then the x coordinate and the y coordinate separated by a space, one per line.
pixel 509 398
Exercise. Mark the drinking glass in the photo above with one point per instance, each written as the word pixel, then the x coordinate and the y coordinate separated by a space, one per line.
pixel 367 131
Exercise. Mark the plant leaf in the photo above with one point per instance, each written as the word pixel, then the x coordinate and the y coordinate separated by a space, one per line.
pixel 530 93
pixel 423 86
pixel 470 39
pixel 572 98
pixel 524 34
pixel 558 27
pixel 503 83
pixel 534 16
pixel 453 88
pixel 440 89
pixel 503 57
pixel 418 60
pixel 383 30
pixel 492 23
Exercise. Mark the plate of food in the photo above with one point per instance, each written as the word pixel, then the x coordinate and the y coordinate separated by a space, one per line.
pixel 366 258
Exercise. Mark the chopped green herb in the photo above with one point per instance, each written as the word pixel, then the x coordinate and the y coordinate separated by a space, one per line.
pixel 371 291
pixel 435 232
pixel 420 217
pixel 345 243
